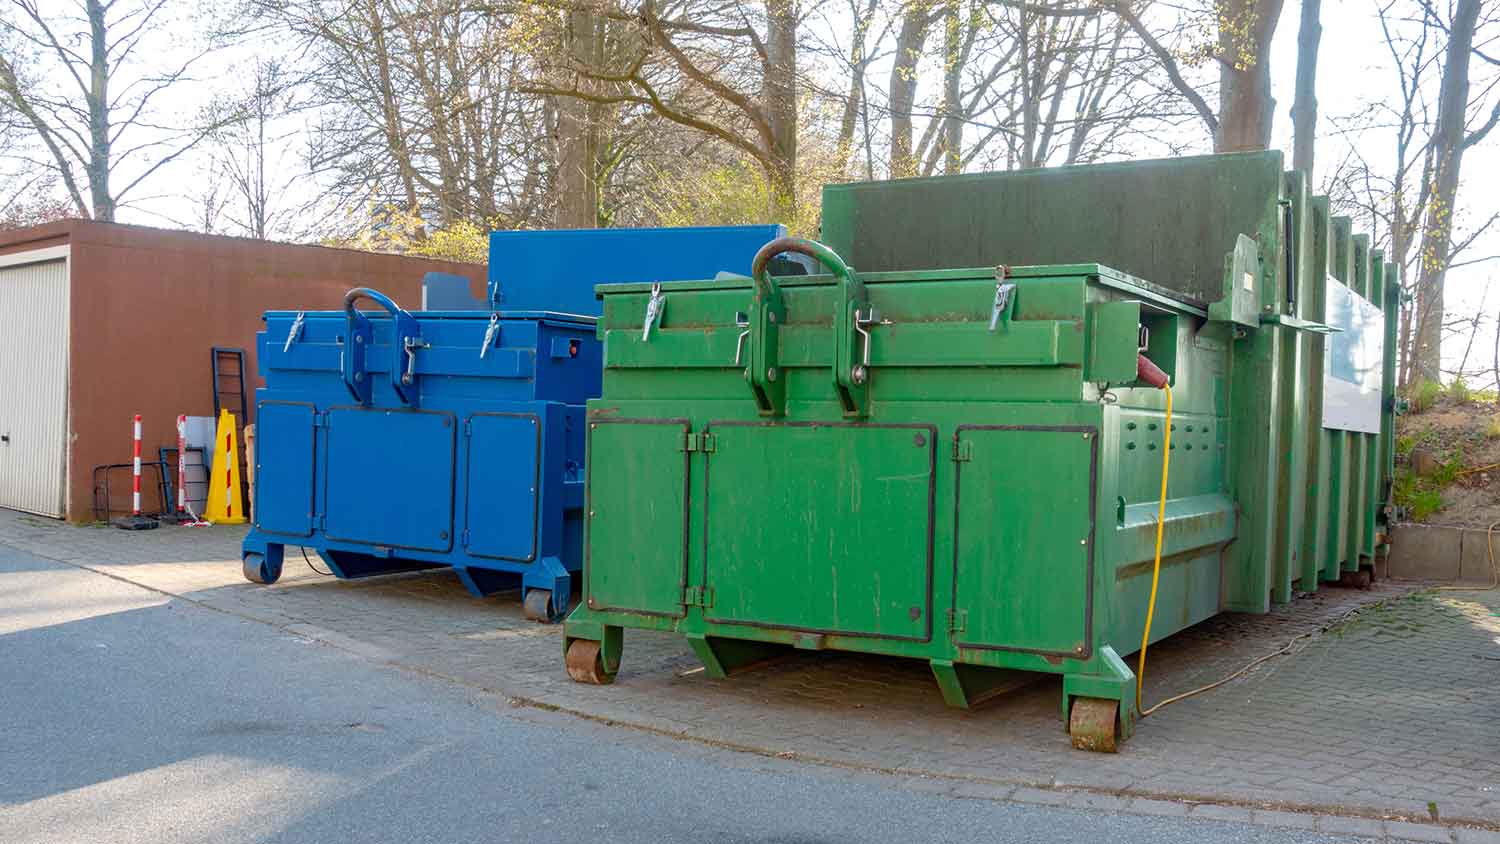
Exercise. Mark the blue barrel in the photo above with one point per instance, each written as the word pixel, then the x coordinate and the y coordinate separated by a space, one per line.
pixel 389 440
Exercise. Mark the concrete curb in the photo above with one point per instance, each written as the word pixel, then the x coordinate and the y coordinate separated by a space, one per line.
pixel 1446 553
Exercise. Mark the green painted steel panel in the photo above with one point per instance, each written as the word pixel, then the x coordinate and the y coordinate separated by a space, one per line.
pixel 1165 221
pixel 849 547
pixel 1024 545
pixel 637 500
pixel 774 536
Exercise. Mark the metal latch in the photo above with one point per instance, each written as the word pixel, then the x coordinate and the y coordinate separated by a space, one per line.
pixel 295 331
pixel 863 319
pixel 957 620
pixel 654 308
pixel 963 451
pixel 1004 294
pixel 698 596
pixel 742 321
pixel 411 345
pixel 489 335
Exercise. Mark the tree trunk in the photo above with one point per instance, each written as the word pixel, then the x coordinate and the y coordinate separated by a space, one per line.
pixel 904 89
pixel 781 105
pixel 952 141
pixel 1246 107
pixel 1447 156
pixel 1305 106
pixel 578 132
pixel 99 126
pixel 854 102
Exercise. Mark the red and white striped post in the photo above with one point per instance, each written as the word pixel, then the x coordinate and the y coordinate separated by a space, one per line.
pixel 182 502
pixel 135 481
pixel 229 474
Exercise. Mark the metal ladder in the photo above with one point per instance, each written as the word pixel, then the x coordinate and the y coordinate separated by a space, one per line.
pixel 229 394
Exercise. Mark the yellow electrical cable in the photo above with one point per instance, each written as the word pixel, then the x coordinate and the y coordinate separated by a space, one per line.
pixel 1161 520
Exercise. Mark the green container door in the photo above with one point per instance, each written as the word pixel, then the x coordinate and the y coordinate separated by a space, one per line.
pixel 1023 571
pixel 825 528
pixel 636 554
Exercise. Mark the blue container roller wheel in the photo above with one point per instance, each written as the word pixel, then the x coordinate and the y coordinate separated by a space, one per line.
pixel 393 441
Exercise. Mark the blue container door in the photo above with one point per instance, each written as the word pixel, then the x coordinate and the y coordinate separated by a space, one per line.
pixel 284 468
pixel 505 452
pixel 390 478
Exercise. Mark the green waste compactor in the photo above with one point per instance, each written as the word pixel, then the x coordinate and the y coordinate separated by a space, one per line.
pixel 950 454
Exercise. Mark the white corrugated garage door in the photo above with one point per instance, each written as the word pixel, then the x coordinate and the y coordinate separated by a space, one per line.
pixel 33 381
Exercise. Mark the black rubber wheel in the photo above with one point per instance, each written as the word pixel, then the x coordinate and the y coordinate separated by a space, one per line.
pixel 538 605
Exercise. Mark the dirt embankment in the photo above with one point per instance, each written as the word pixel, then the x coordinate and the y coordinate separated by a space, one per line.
pixel 1448 461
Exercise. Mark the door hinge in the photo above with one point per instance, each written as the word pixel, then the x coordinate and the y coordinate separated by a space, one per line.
pixel 963 451
pixel 321 521
pixel 321 420
pixel 465 537
pixel 698 441
pixel 698 596
pixel 468 427
pixel 957 619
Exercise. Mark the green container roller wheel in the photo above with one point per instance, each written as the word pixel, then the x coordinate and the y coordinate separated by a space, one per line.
pixel 964 464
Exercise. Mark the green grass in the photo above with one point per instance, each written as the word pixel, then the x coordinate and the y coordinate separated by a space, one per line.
pixel 1423 395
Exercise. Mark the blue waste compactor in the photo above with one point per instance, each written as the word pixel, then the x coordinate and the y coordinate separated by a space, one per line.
pixel 391 441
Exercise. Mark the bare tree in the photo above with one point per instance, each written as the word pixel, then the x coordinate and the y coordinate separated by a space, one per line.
pixel 75 77
pixel 1451 138
pixel 1399 198
pixel 253 153
pixel 725 69
pixel 1244 30
pixel 419 109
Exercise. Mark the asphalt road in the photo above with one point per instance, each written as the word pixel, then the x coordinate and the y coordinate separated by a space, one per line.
pixel 126 716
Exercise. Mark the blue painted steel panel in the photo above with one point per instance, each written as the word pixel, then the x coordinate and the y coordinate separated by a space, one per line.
pixel 414 449
pixel 525 265
pixel 391 441
pixel 504 478
pixel 288 509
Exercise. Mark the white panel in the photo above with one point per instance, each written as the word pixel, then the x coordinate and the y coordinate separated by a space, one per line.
pixel 1352 361
pixel 33 384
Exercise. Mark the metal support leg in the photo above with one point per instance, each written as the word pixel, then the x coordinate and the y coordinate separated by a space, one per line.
pixel 723 657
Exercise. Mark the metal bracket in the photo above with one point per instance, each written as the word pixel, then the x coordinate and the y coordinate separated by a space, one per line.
pixel 698 441
pixel 295 331
pixel 654 308
pixel 963 451
pixel 957 620
pixel 489 335
pixel 1004 297
pixel 698 596
pixel 406 338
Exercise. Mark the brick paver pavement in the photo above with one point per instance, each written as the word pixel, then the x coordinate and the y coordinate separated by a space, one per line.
pixel 1392 713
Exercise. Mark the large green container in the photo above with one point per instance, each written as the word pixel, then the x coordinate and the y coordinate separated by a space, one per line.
pixel 948 456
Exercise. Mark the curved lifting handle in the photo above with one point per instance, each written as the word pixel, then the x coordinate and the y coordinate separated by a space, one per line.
pixel 801 245
pixel 406 339
pixel 852 320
